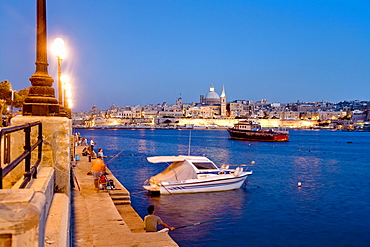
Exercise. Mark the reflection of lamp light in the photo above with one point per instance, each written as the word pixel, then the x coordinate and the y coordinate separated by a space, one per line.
pixel 60 52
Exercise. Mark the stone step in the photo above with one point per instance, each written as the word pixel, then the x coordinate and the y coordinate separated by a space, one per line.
pixel 120 193
pixel 118 198
pixel 122 202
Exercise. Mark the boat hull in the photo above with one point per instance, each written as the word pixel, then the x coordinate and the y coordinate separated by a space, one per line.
pixel 251 135
pixel 220 183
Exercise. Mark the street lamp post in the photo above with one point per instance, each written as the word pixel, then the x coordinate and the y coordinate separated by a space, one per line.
pixel 59 50
pixel 12 101
pixel 41 100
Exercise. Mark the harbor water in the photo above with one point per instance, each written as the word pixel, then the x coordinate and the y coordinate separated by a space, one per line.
pixel 330 208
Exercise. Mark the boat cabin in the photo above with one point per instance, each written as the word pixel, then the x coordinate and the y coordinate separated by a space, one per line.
pixel 247 125
pixel 205 165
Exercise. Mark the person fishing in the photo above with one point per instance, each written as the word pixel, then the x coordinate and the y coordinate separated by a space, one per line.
pixel 101 154
pixel 98 168
pixel 151 221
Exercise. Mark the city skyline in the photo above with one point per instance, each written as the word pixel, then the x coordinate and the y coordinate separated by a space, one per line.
pixel 137 53
pixel 201 101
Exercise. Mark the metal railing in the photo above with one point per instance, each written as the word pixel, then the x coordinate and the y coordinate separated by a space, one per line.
pixel 30 172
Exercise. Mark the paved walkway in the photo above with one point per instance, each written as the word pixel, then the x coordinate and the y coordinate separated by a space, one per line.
pixel 99 222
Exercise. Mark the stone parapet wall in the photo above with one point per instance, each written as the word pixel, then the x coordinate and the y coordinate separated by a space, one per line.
pixel 24 212
pixel 55 149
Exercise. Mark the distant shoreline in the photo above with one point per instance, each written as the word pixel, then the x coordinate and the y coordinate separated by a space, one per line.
pixel 174 128
pixel 153 128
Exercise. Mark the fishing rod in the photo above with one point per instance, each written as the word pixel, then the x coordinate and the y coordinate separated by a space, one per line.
pixel 75 178
pixel 121 155
pixel 208 221
pixel 115 156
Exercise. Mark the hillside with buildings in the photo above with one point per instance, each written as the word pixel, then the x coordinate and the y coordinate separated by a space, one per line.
pixel 213 111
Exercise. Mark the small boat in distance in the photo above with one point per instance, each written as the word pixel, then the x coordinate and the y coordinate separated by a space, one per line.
pixel 193 174
pixel 252 131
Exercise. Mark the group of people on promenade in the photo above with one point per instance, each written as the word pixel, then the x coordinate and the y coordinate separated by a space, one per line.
pixel 89 150
pixel 99 168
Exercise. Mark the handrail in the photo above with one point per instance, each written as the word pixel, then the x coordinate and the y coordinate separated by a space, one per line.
pixel 26 155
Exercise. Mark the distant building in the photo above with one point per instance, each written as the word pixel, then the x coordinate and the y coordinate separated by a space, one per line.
pixel 199 112
pixel 212 100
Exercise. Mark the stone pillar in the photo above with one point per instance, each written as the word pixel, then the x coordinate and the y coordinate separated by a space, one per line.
pixel 57 132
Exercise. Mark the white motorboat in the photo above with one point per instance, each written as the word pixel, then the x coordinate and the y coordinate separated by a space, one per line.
pixel 192 174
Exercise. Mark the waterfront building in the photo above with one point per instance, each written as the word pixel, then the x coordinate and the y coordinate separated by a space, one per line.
pixel 240 108
pixel 174 108
pixel 289 115
pixel 170 114
pixel 125 114
pixel 360 116
pixel 331 115
pixel 149 114
pixel 322 115
pixel 199 112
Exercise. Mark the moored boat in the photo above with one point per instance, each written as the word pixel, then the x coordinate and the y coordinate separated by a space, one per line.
pixel 193 174
pixel 252 131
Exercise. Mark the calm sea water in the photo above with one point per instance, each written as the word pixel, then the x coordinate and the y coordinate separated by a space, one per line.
pixel 331 208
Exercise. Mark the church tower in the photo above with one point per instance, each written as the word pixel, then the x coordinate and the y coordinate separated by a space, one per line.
pixel 179 101
pixel 223 102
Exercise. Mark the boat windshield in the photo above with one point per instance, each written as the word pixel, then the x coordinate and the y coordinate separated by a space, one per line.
pixel 204 165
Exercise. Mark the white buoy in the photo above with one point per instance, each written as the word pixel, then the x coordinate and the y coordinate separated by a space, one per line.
pixel 252 162
pixel 299 184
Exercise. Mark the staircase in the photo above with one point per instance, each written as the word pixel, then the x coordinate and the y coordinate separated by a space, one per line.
pixel 120 197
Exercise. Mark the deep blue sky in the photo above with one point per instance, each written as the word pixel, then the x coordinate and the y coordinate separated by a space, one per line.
pixel 147 52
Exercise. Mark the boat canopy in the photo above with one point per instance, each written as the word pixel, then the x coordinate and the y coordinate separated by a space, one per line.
pixel 164 159
pixel 177 171
pixel 167 159
pixel 182 167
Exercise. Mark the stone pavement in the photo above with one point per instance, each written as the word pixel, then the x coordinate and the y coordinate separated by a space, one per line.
pixel 97 221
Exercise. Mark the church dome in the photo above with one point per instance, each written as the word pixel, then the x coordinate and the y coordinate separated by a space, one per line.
pixel 212 94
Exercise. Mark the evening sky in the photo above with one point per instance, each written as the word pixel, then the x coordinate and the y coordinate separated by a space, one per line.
pixel 147 52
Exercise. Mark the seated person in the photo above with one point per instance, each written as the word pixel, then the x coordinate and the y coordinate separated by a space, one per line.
pixel 151 221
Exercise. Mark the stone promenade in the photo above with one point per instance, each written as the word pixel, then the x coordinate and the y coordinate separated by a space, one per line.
pixel 97 221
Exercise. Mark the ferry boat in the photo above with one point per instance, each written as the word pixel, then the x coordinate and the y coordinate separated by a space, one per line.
pixel 193 174
pixel 252 131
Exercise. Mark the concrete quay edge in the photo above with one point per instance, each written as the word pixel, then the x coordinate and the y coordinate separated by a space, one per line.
pixel 97 221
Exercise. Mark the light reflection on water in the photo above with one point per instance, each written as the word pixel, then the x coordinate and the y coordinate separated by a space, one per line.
pixel 330 209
